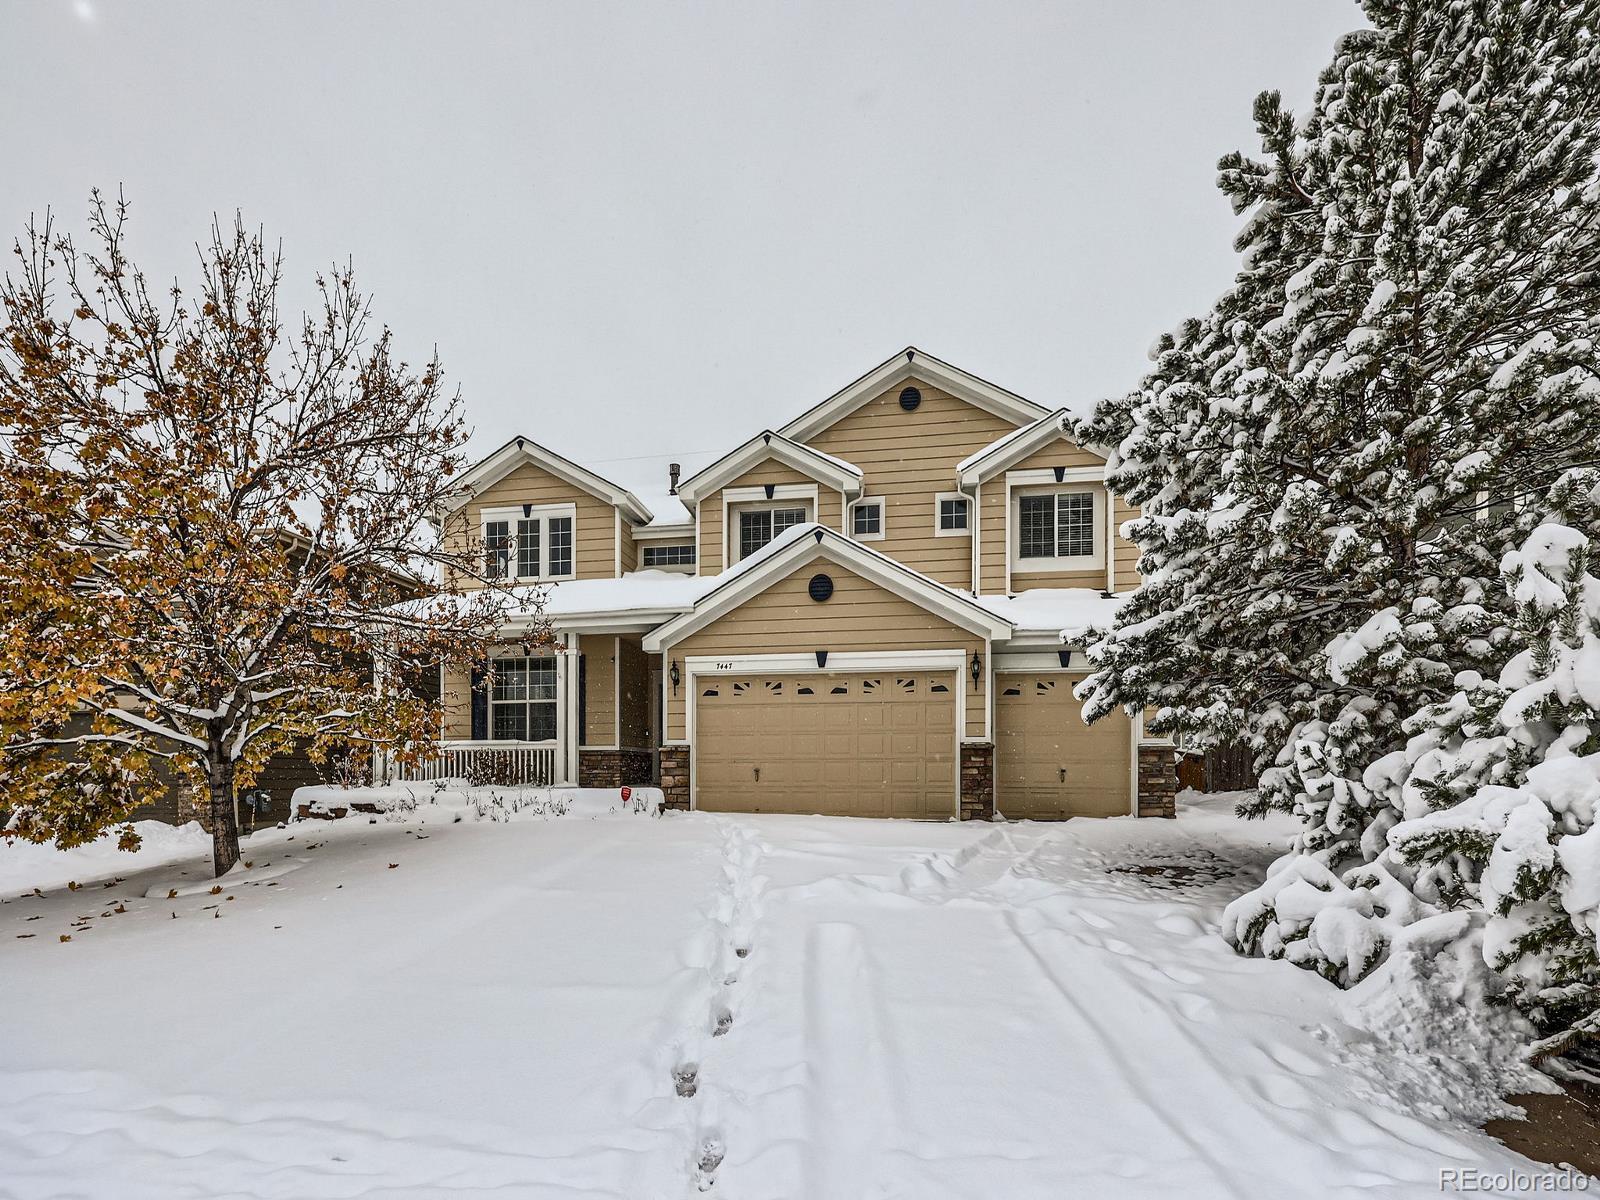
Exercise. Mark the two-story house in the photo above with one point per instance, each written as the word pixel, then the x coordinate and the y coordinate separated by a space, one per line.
pixel 873 610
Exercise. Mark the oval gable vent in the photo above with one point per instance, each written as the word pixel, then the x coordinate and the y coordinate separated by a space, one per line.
pixel 910 398
pixel 820 588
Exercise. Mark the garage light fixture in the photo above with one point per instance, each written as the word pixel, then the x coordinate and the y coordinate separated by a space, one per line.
pixel 1065 656
pixel 675 675
pixel 977 667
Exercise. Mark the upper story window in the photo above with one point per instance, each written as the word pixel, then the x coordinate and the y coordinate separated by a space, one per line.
pixel 1059 529
pixel 532 545
pixel 866 520
pixel 671 554
pixel 758 526
pixel 952 518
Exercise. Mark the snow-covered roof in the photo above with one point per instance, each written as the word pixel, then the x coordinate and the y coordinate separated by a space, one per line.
pixel 825 468
pixel 637 592
pixel 1067 613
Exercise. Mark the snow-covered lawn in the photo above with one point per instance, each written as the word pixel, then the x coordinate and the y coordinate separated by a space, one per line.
pixel 856 1009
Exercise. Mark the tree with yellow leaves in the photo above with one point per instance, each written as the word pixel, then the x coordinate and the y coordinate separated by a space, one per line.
pixel 219 535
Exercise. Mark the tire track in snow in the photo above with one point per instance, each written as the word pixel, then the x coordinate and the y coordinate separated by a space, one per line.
pixel 854 1110
pixel 1104 1037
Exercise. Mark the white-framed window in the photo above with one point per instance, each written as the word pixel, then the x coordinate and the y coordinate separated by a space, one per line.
pixel 758 526
pixel 536 543
pixel 952 515
pixel 867 519
pixel 669 554
pixel 522 703
pixel 1059 528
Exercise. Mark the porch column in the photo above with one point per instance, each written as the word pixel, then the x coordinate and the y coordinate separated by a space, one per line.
pixel 570 722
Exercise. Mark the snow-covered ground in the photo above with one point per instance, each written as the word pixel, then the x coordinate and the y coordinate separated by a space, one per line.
pixel 634 1007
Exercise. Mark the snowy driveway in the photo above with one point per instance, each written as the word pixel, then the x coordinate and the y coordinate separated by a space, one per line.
pixel 850 1009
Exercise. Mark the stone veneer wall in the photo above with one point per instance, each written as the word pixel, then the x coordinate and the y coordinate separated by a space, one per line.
pixel 614 768
pixel 1158 781
pixel 675 777
pixel 977 781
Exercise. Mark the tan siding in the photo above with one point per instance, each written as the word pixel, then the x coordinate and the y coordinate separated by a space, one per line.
pixel 908 459
pixel 457 702
pixel 771 471
pixel 600 688
pixel 634 664
pixel 594 536
pixel 630 548
pixel 992 548
pixel 861 617
pixel 1063 452
pixel 1127 553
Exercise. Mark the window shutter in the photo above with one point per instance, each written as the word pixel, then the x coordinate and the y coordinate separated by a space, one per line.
pixel 480 702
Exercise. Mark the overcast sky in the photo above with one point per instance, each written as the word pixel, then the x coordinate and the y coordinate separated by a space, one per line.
pixel 653 229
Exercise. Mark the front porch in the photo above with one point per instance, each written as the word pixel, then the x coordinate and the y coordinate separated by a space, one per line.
pixel 583 712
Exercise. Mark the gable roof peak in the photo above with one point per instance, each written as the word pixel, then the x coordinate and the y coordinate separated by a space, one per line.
pixel 907 362
pixel 522 449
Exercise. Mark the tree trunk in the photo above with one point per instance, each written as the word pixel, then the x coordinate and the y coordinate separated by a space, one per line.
pixel 224 820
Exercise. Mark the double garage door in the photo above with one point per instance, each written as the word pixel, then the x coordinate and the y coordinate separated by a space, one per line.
pixel 884 745
pixel 874 745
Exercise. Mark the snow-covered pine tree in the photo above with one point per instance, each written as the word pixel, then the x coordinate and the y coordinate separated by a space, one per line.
pixel 1331 461
pixel 1517 834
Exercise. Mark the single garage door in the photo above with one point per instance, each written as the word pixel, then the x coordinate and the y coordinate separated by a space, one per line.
pixel 878 745
pixel 1050 765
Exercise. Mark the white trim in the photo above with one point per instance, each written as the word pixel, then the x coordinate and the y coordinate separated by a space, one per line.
pixel 1111 540
pixel 818 541
pixel 841 663
pixel 1039 662
pixel 520 450
pixel 618 514
pixel 877 502
pixel 975 518
pixel 808 460
pixel 542 513
pixel 683 531
pixel 1018 445
pixel 913 363
pixel 755 499
pixel 570 744
pixel 616 690
pixel 1057 564
pixel 780 491
pixel 938 517
pixel 1046 475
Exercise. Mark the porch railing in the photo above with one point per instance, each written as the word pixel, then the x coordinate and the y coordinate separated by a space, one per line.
pixel 482 763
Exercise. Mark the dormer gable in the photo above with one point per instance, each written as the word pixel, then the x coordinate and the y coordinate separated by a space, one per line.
pixel 522 451
pixel 826 469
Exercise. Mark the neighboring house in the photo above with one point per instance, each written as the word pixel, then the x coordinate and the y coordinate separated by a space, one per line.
pixel 870 611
